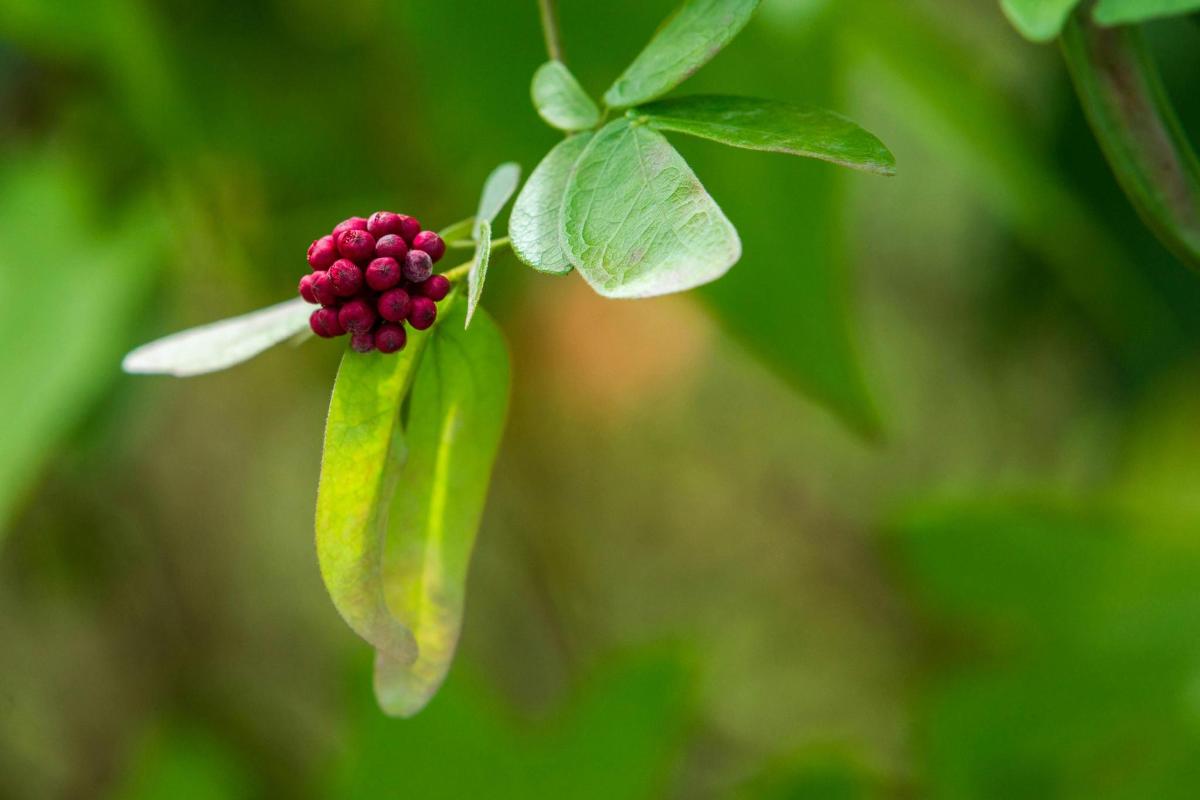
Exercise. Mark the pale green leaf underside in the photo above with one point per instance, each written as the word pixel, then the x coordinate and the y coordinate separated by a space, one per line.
pixel 479 268
pixel 497 189
pixel 686 41
pixel 534 225
pixel 455 421
pixel 219 345
pixel 560 100
pixel 772 126
pixel 637 222
pixel 460 231
pixel 1038 20
pixel 1124 12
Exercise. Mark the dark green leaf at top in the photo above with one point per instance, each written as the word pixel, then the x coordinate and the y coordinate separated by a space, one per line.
pixel 534 223
pixel 773 126
pixel 688 40
pixel 560 100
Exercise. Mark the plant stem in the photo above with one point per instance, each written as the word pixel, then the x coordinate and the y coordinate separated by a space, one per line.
pixel 456 274
pixel 550 29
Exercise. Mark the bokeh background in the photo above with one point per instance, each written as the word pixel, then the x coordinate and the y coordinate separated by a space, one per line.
pixel 905 506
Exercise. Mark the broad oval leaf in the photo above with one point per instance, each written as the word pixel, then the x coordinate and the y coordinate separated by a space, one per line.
pixel 533 225
pixel 497 189
pixel 637 222
pixel 219 345
pixel 773 126
pixel 455 420
pixel 687 41
pixel 560 100
pixel 479 268
pixel 1038 20
pixel 1126 12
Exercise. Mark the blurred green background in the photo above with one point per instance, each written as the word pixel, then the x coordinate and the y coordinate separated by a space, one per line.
pixel 905 506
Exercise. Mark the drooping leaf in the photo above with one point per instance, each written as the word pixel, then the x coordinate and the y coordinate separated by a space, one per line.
pixel 696 32
pixel 534 225
pixel 497 189
pixel 219 345
pixel 560 100
pixel 455 420
pixel 1038 20
pixel 772 126
pixel 479 268
pixel 636 220
pixel 1128 12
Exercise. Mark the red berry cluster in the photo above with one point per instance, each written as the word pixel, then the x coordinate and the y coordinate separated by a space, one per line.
pixel 372 275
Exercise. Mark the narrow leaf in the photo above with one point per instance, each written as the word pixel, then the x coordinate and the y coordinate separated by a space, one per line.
pixel 1126 12
pixel 636 220
pixel 534 223
pixel 497 189
pixel 222 344
pixel 455 420
pixel 687 41
pixel 560 100
pixel 479 268
pixel 772 126
pixel 458 232
pixel 1038 20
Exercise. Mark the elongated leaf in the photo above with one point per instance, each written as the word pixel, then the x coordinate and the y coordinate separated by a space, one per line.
pixel 534 225
pixel 637 222
pixel 460 231
pixel 560 100
pixel 1038 20
pixel 697 31
pixel 479 268
pixel 455 420
pixel 1126 12
pixel 497 189
pixel 772 126
pixel 364 453
pixel 219 345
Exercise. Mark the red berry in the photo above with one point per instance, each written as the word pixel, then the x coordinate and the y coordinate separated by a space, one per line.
pixel 391 246
pixel 362 342
pixel 346 277
pixel 383 223
pixel 436 287
pixel 356 245
pixel 383 274
pixel 409 227
pixel 422 312
pixel 306 289
pixel 431 243
pixel 352 224
pixel 417 266
pixel 324 322
pixel 394 305
pixel 357 316
pixel 390 338
pixel 322 253
pixel 322 289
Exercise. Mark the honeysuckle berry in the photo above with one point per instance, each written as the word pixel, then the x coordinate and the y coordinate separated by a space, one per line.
pixel 362 342
pixel 383 223
pixel 390 338
pixel 392 246
pixel 356 245
pixel 431 243
pixel 394 305
pixel 352 224
pixel 322 289
pixel 306 289
pixel 409 227
pixel 356 315
pixel 322 253
pixel 421 312
pixel 383 273
pixel 435 288
pixel 417 266
pixel 346 277
pixel 324 323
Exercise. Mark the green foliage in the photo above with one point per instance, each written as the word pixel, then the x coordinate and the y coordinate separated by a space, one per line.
pixel 773 126
pixel 186 762
pixel 637 222
pixel 560 100
pixel 534 223
pixel 1125 12
pixel 479 268
pixel 1038 20
pixel 697 31
pixel 498 189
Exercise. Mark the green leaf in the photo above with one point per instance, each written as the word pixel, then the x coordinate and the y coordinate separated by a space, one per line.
pixel 497 189
pixel 772 126
pixel 1038 20
pixel 460 231
pixel 534 225
pixel 637 222
pixel 455 420
pixel 219 345
pixel 687 41
pixel 560 100
pixel 479 268
pixel 1125 12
